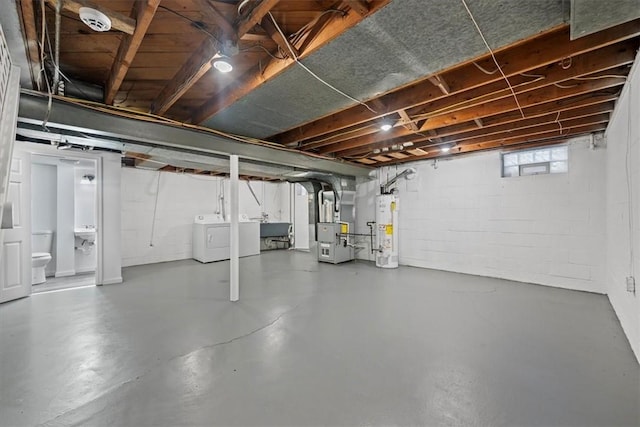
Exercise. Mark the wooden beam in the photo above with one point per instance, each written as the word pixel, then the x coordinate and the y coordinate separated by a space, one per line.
pixel 269 26
pixel 360 146
pixel 542 114
pixel 528 131
pixel 28 20
pixel 221 20
pixel 584 65
pixel 358 6
pixel 529 99
pixel 545 49
pixel 523 142
pixel 439 82
pixel 406 121
pixel 255 16
pixel 119 21
pixel 143 11
pixel 258 76
pixel 317 27
pixel 187 76
pixel 200 62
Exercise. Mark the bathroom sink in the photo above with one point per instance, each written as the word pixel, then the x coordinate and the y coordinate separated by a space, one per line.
pixel 86 233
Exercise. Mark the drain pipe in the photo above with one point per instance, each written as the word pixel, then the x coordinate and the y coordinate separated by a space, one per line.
pixel 56 54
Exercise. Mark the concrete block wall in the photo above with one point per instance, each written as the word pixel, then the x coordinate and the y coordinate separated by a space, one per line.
pixel 461 215
pixel 181 197
pixel 623 183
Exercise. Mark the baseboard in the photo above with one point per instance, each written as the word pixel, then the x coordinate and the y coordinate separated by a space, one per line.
pixel 112 281
pixel 65 273
pixel 85 270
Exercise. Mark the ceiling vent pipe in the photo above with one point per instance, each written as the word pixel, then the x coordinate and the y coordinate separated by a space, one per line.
pixel 409 174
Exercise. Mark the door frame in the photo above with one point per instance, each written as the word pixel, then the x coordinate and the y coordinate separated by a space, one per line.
pixel 51 151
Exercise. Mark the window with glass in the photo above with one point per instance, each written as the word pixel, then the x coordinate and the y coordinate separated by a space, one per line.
pixel 538 161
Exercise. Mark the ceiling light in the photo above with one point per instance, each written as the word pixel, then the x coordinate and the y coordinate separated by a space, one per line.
pixel 445 149
pixel 386 126
pixel 407 144
pixel 376 151
pixel 94 19
pixel 222 64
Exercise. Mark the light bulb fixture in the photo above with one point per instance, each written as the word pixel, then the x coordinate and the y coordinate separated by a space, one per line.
pixel 446 148
pixel 376 151
pixel 222 64
pixel 385 126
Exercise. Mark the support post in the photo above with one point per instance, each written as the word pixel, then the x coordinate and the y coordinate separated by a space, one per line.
pixel 234 275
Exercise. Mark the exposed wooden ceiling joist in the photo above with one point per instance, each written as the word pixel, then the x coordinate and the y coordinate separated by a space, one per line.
pixel 552 137
pixel 28 21
pixel 583 65
pixel 119 21
pixel 545 49
pixel 143 11
pixel 542 114
pixel 200 62
pixel 275 67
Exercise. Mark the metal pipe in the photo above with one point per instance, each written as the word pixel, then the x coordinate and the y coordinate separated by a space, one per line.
pixel 234 274
pixel 253 193
pixel 56 54
pixel 404 173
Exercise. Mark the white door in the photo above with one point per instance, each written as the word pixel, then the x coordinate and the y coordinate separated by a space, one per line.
pixel 15 261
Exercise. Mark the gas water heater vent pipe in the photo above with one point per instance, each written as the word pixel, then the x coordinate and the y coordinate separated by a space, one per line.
pixel 407 173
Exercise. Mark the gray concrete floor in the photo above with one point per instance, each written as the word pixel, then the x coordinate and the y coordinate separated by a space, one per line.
pixel 314 344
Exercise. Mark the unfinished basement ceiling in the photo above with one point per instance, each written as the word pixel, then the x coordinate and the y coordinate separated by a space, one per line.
pixel 402 42
pixel 421 66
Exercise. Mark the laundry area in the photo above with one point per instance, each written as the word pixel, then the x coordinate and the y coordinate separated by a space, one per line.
pixel 350 212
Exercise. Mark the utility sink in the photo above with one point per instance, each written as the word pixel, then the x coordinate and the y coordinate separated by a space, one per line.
pixel 86 233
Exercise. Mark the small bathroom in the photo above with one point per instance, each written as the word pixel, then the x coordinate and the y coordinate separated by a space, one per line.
pixel 63 222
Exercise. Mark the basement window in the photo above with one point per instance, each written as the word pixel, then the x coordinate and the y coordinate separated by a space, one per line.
pixel 539 161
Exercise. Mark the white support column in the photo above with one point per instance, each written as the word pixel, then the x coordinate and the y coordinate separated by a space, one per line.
pixel 234 275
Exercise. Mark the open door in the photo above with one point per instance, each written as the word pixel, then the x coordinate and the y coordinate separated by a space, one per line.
pixel 15 258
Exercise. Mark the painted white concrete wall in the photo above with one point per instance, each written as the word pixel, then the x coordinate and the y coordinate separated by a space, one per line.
pixel 622 223
pixel 109 220
pixel 65 237
pixel 85 215
pixel 43 197
pixel 181 197
pixel 85 198
pixel 463 216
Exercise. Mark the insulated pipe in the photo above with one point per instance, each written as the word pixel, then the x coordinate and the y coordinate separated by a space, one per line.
pixel 234 274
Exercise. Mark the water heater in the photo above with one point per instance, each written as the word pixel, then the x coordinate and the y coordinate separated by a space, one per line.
pixel 387 231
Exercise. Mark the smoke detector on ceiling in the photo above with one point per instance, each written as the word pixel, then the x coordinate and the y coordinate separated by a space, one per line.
pixel 95 19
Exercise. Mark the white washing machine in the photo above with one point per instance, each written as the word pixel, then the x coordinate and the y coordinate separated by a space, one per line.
pixel 211 238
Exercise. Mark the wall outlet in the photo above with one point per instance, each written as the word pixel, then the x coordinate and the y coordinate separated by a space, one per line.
pixel 631 284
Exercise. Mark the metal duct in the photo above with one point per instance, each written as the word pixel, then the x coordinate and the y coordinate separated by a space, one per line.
pixel 83 90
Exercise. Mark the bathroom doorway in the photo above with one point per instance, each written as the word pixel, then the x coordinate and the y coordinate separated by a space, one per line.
pixel 64 214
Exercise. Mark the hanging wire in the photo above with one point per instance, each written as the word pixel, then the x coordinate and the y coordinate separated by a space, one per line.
pixel 558 122
pixel 295 58
pixel 493 56
pixel 155 210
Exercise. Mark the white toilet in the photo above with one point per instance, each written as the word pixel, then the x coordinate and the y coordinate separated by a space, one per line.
pixel 41 245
